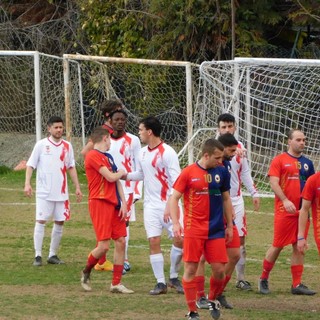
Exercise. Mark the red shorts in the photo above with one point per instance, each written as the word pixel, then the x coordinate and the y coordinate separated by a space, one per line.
pixel 105 220
pixel 286 229
pixel 214 250
pixel 235 243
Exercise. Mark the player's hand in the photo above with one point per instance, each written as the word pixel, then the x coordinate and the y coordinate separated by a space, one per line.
pixel 256 204
pixel 177 230
pixel 302 246
pixel 123 173
pixel 241 152
pixel 79 195
pixel 28 190
pixel 229 234
pixel 289 206
pixel 123 211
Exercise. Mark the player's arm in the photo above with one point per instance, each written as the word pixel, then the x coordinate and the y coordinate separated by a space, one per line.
pixel 87 148
pixel 124 209
pixel 27 184
pixel 228 213
pixel 111 176
pixel 303 219
pixel 247 180
pixel 275 186
pixel 74 177
pixel 175 213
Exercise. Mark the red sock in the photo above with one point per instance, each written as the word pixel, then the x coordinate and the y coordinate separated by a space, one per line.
pixel 190 294
pixel 199 280
pixel 296 272
pixel 226 281
pixel 267 267
pixel 117 274
pixel 91 262
pixel 102 260
pixel 216 288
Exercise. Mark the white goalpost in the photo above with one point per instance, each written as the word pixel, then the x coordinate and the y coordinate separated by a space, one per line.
pixel 267 97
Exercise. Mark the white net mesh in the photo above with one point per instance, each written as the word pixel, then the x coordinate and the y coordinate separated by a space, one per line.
pixel 267 98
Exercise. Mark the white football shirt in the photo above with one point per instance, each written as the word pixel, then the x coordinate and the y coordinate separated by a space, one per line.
pixel 125 152
pixel 52 160
pixel 159 168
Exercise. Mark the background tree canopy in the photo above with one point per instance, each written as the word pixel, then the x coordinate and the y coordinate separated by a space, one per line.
pixel 193 30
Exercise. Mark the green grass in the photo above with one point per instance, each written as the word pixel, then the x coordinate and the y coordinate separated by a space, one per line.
pixel 54 292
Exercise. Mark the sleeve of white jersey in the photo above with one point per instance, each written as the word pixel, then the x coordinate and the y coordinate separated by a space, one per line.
pixel 35 155
pixel 72 162
pixel 136 148
pixel 138 173
pixel 173 166
pixel 246 178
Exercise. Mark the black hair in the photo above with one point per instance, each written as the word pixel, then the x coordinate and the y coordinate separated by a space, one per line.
pixel 228 140
pixel 152 123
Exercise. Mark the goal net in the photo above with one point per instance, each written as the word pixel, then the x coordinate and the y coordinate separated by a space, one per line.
pixel 267 97
pixel 165 89
pixel 31 90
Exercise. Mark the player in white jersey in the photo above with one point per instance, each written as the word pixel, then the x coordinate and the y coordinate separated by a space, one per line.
pixel 159 168
pixel 125 148
pixel 52 157
pixel 240 174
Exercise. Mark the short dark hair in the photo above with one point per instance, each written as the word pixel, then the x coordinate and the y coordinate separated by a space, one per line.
pixel 210 145
pixel 226 117
pixel 109 106
pixel 152 123
pixel 228 140
pixel 54 119
pixel 98 133
pixel 118 111
pixel 291 132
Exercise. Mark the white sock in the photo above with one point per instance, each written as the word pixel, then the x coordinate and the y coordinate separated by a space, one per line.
pixel 56 236
pixel 127 243
pixel 175 258
pixel 157 263
pixel 38 235
pixel 241 264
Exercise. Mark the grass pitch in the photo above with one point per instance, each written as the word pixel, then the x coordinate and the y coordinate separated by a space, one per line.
pixel 54 292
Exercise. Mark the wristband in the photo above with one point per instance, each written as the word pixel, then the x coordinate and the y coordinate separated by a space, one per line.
pixel 301 238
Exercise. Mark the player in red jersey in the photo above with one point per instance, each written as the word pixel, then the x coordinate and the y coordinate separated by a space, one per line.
pixel 205 186
pixel 107 207
pixel 310 199
pixel 106 108
pixel 230 144
pixel 288 174
pixel 53 158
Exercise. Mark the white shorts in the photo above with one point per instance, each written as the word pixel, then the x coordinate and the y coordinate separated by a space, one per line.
pixel 240 219
pixel 154 224
pixel 55 210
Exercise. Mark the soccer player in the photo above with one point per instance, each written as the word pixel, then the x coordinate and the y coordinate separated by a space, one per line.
pixel 52 157
pixel 205 186
pixel 158 167
pixel 125 148
pixel 107 207
pixel 288 173
pixel 230 144
pixel 310 199
pixel 106 108
pixel 240 174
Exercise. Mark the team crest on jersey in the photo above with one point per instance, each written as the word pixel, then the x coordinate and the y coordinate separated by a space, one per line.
pixel 47 149
pixel 306 167
pixel 217 178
